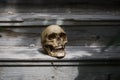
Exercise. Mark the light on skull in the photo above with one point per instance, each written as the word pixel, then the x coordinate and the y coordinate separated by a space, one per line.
pixel 53 40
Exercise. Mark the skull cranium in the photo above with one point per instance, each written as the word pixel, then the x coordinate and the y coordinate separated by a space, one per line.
pixel 53 40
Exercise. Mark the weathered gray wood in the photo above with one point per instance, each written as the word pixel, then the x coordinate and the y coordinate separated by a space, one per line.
pixel 77 35
pixel 73 53
pixel 63 2
pixel 58 73
pixel 80 32
pixel 84 43
pixel 60 19
pixel 21 47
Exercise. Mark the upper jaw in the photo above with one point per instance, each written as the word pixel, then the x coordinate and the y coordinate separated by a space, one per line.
pixel 57 52
pixel 58 47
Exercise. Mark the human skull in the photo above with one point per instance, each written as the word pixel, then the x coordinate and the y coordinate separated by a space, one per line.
pixel 53 40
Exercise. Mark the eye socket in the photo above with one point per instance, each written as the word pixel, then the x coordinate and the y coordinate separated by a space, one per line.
pixel 52 36
pixel 62 35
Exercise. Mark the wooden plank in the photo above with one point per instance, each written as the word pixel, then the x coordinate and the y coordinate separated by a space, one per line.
pixel 61 2
pixel 84 43
pixel 48 19
pixel 75 56
pixel 72 53
pixel 77 35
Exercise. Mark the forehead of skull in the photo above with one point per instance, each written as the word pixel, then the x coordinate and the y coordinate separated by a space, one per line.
pixel 54 29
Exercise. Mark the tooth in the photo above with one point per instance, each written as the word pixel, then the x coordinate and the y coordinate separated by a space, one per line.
pixel 52 54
